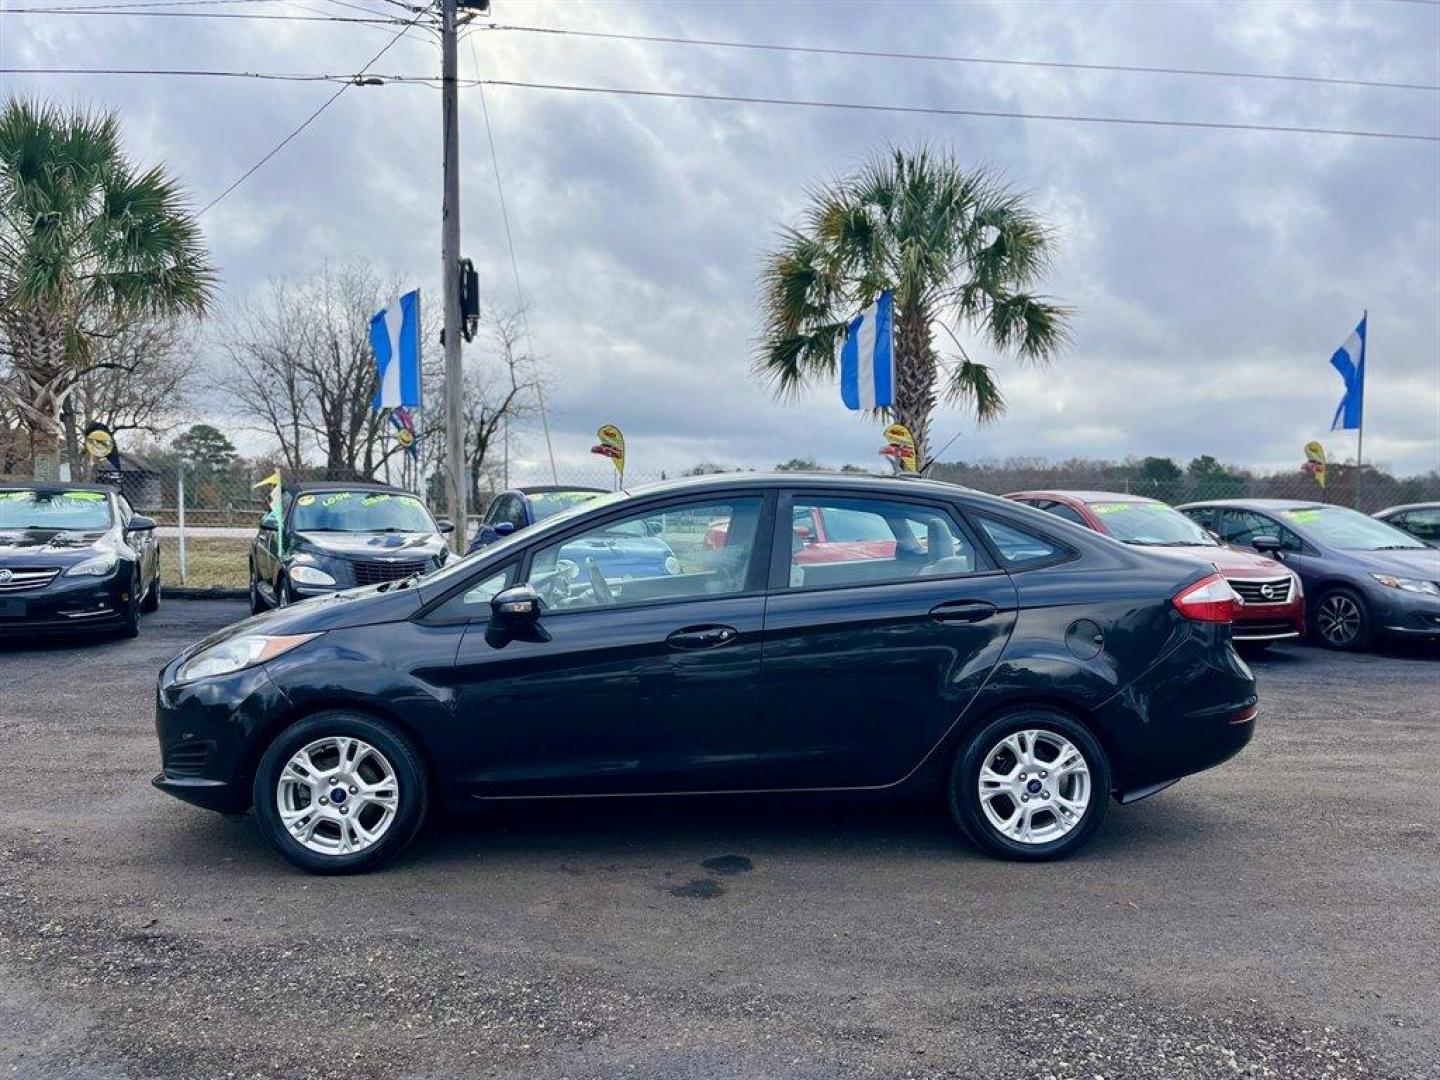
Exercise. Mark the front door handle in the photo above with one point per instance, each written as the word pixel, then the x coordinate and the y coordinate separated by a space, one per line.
pixel 702 637
pixel 963 611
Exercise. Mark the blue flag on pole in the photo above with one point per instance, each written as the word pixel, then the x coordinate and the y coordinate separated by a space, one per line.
pixel 867 359
pixel 395 338
pixel 1349 361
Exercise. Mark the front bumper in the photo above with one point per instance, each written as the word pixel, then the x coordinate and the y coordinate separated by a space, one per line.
pixel 66 604
pixel 1403 613
pixel 210 732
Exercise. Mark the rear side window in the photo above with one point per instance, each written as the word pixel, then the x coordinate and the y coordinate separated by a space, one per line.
pixel 863 541
pixel 1019 547
pixel 1060 510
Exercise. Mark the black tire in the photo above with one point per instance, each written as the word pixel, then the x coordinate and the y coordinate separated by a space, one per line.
pixel 1340 620
pixel 151 603
pixel 412 788
pixel 130 614
pixel 283 596
pixel 257 602
pixel 964 795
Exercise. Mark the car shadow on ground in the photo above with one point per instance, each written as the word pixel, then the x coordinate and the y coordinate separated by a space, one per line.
pixel 639 832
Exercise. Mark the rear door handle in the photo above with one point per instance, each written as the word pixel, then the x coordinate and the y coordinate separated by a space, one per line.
pixel 702 637
pixel 963 611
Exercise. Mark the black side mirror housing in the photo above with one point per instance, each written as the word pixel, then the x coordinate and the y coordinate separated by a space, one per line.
pixel 269 523
pixel 140 523
pixel 445 525
pixel 519 605
pixel 1265 543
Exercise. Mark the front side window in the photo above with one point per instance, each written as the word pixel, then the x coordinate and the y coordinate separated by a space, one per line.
pixel 1019 547
pixel 1068 513
pixel 676 552
pixel 1241 527
pixel 80 511
pixel 1422 523
pixel 875 541
pixel 359 512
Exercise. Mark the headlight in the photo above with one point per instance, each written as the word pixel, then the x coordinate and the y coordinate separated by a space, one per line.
pixel 98 566
pixel 310 575
pixel 238 652
pixel 1393 582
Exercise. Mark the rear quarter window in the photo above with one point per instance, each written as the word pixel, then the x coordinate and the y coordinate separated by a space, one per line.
pixel 1020 547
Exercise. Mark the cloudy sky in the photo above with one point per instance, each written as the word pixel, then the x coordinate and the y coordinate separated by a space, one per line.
pixel 1213 271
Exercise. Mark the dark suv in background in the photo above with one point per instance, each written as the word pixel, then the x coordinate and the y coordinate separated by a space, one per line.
pixel 1362 577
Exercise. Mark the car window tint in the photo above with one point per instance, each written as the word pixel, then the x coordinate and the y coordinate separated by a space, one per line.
pixel 676 552
pixel 1242 526
pixel 474 601
pixel 873 541
pixel 1422 523
pixel 1060 510
pixel 1019 547
pixel 1204 516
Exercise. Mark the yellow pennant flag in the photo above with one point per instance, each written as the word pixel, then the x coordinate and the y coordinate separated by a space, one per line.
pixel 276 505
pixel 900 448
pixel 1315 462
pixel 612 446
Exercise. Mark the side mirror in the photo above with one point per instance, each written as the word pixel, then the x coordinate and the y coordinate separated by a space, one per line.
pixel 445 525
pixel 503 528
pixel 141 523
pixel 269 523
pixel 518 605
pixel 1265 543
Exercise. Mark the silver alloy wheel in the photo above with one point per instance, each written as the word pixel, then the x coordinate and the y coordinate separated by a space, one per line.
pixel 1339 619
pixel 1034 786
pixel 337 795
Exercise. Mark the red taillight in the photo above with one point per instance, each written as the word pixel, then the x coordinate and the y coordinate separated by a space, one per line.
pixel 1208 600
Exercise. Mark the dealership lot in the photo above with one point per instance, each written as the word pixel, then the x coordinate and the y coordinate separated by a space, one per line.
pixel 1274 917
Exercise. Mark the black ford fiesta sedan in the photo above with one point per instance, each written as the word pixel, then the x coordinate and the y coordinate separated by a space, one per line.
pixel 1024 668
pixel 74 557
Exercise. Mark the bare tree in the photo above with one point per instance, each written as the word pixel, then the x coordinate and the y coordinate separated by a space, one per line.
pixel 262 342
pixel 145 378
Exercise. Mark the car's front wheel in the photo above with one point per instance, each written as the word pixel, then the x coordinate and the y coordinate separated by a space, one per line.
pixel 340 793
pixel 1341 620
pixel 257 602
pixel 1032 784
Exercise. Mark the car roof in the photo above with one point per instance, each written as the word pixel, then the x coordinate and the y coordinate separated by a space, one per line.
pixel 52 486
pixel 1408 506
pixel 546 489
pixel 1084 496
pixel 858 482
pixel 346 485
pixel 1261 504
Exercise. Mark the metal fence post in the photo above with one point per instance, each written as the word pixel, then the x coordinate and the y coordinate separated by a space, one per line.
pixel 180 513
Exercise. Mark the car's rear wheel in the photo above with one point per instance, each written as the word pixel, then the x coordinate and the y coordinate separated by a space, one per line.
pixel 1032 784
pixel 340 793
pixel 152 598
pixel 257 602
pixel 1341 620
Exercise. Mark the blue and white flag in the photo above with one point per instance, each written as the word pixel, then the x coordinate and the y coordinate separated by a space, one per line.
pixel 1349 360
pixel 867 359
pixel 395 338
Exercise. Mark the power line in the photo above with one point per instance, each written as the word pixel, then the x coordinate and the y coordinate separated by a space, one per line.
pixel 1132 69
pixel 514 269
pixel 309 119
pixel 743 99
pixel 378 20
pixel 266 76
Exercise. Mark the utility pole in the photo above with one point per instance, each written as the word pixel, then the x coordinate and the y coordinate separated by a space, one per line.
pixel 450 279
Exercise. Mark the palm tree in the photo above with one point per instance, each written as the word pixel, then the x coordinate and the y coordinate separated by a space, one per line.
pixel 960 252
pixel 87 241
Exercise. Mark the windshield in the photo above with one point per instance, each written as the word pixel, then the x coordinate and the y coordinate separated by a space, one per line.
pixel 1348 529
pixel 359 512
pixel 1150 524
pixel 544 504
pixel 79 511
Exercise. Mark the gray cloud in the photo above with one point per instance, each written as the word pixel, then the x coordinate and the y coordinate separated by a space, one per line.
pixel 1213 272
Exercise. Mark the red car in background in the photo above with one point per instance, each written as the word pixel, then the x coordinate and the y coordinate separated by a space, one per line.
pixel 828 534
pixel 1274 603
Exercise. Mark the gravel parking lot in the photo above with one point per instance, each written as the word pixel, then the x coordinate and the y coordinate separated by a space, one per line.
pixel 1276 917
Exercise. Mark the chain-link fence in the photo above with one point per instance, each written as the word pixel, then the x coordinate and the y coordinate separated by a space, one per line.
pixel 207 516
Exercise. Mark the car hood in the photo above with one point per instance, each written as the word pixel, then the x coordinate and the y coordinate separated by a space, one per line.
pixel 50 546
pixel 1227 560
pixel 373 545
pixel 1421 563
